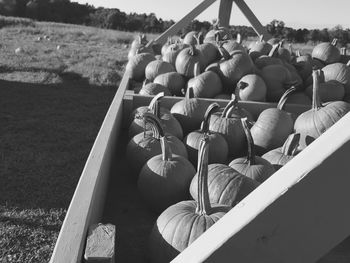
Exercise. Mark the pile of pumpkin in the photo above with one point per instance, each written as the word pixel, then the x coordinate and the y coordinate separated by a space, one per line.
pixel 214 64
pixel 196 161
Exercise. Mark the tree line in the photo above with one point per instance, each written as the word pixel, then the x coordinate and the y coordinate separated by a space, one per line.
pixel 112 18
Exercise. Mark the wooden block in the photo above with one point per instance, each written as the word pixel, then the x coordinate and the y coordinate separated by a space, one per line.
pixel 100 244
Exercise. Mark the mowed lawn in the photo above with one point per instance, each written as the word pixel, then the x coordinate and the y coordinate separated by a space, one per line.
pixel 54 93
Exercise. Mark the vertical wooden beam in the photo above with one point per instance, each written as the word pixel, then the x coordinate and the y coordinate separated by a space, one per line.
pixel 248 13
pixel 184 21
pixel 225 12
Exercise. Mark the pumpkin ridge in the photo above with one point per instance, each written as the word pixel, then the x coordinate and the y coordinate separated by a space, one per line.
pixel 179 224
pixel 320 120
pixel 330 115
pixel 195 218
pixel 225 189
pixel 171 219
pixel 239 189
pixel 314 116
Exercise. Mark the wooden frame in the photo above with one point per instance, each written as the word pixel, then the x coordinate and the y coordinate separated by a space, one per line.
pixel 224 17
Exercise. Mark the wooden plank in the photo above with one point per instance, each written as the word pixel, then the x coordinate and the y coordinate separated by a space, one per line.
pixel 87 203
pixel 253 20
pixel 297 215
pixel 173 30
pixel 225 12
pixel 133 101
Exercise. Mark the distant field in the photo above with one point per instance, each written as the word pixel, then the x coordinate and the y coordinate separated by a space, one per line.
pixel 56 83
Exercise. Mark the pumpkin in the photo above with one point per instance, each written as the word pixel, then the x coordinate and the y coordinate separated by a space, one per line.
pixel 218 145
pixel 232 46
pixel 252 87
pixel 150 89
pixel 252 166
pixel 172 51
pixel 174 81
pixel 270 59
pixel 228 124
pixel 135 68
pixel 331 90
pixel 218 33
pixel 234 67
pixel 282 155
pixel 190 38
pixel 181 224
pixel 156 68
pixel 312 123
pixel 168 121
pixel 259 48
pixel 166 46
pixel 303 64
pixel 277 78
pixel 209 53
pixel 145 145
pixel 165 179
pixel 272 126
pixel 190 111
pixel 206 84
pixel 326 52
pixel 226 186
pixel 284 53
pixel 341 73
pixel 186 60
pixel 139 45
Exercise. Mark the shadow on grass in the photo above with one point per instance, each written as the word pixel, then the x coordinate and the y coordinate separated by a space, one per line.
pixel 46 133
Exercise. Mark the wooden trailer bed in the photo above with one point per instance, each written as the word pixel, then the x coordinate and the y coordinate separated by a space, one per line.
pixel 298 215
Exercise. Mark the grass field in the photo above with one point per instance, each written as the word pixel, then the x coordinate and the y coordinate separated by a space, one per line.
pixel 56 83
pixel 54 93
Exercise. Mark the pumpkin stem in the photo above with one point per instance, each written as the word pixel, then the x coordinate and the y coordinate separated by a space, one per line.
pixel 290 146
pixel 251 148
pixel 348 64
pixel 316 101
pixel 274 49
pixel 298 54
pixel 210 110
pixel 239 38
pixel 228 106
pixel 284 97
pixel 343 51
pixel 203 203
pixel 224 53
pixel 261 38
pixel 154 101
pixel 334 41
pixel 167 155
pixel 145 82
pixel 192 51
pixel 155 124
pixel 197 69
pixel 189 93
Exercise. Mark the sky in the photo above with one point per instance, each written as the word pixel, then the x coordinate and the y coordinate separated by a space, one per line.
pixel 297 14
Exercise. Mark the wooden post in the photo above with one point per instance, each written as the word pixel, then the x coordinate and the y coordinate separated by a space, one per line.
pixel 258 27
pixel 225 12
pixel 184 21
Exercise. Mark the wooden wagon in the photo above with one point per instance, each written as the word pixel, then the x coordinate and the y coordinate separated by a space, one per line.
pixel 297 215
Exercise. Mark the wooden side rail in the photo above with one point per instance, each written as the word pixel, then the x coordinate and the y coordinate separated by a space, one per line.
pixel 87 203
